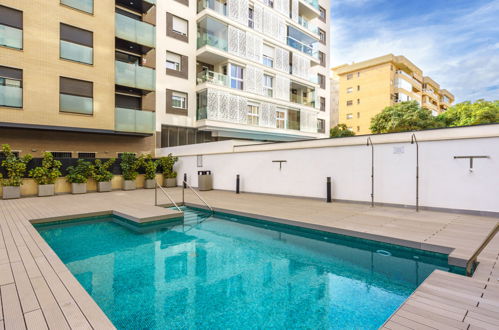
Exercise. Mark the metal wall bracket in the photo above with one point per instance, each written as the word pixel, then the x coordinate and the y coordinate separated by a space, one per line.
pixel 471 159
pixel 280 163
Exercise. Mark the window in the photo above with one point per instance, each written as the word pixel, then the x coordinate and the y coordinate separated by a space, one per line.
pixel 76 96
pixel 86 155
pixel 322 36
pixel 253 114
pixel 349 76
pixel 251 17
pixel 173 61
pixel 179 100
pixel 322 101
pixel 83 5
pixel 11 87
pixel 358 101
pixel 268 83
pixel 358 88
pixel 11 28
pixel 349 90
pixel 269 3
pixel 236 76
pixel 268 56
pixel 280 118
pixel 62 154
pixel 349 102
pixel 349 116
pixel 177 27
pixel 76 44
pixel 323 14
pixel 322 58
pixel 321 126
pixel 322 80
pixel 358 74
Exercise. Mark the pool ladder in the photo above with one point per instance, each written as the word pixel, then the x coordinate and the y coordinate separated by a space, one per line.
pixel 166 194
pixel 186 185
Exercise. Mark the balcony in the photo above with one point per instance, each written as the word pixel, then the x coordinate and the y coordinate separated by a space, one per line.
pixel 219 6
pixel 212 77
pixel 135 121
pixel 11 96
pixel 11 37
pixel 132 75
pixel 76 104
pixel 312 3
pixel 83 5
pixel 302 42
pixel 302 94
pixel 135 31
pixel 76 52
pixel 212 32
pixel 307 25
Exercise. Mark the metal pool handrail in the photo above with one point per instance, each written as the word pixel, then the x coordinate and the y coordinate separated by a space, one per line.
pixel 472 261
pixel 194 191
pixel 164 192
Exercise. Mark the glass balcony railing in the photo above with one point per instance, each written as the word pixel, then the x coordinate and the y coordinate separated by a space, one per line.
pixel 135 31
pixel 302 47
pixel 153 2
pixel 11 37
pixel 313 3
pixel 307 25
pixel 83 5
pixel 76 104
pixel 136 121
pixel 205 39
pixel 77 53
pixel 135 76
pixel 11 96
pixel 212 77
pixel 219 6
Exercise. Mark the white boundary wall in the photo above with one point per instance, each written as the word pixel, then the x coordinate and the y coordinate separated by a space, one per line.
pixel 444 182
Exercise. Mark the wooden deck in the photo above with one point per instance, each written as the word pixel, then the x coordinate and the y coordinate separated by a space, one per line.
pixel 37 291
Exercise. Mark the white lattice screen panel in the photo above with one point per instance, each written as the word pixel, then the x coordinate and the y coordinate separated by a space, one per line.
pixel 301 66
pixel 308 121
pixel 258 17
pixel 281 58
pixel 294 10
pixel 282 88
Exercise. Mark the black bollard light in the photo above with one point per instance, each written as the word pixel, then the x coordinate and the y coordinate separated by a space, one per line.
pixel 237 184
pixel 328 187
pixel 185 180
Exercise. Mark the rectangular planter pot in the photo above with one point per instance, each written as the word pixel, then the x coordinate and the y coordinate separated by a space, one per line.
pixel 46 190
pixel 170 182
pixel 11 192
pixel 129 185
pixel 78 188
pixel 150 184
pixel 104 186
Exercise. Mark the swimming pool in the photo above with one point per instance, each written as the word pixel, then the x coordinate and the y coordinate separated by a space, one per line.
pixel 231 272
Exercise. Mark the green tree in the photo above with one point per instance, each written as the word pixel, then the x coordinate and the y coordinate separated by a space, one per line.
pixel 402 117
pixel 340 130
pixel 468 113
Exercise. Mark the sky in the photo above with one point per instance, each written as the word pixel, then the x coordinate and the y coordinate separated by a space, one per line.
pixel 455 42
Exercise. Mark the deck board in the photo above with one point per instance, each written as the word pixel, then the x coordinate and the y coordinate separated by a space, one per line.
pixel 38 291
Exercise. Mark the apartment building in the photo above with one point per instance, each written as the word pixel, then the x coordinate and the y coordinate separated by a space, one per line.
pixel 75 77
pixel 96 78
pixel 367 87
pixel 242 69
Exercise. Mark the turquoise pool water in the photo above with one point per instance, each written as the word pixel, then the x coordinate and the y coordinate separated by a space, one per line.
pixel 228 272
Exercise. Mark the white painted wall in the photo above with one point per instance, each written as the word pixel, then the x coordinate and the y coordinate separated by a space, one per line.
pixel 445 182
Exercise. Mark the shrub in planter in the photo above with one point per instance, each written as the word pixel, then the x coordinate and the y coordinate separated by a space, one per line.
pixel 150 166
pixel 129 166
pixel 169 174
pixel 78 176
pixel 46 175
pixel 99 171
pixel 15 168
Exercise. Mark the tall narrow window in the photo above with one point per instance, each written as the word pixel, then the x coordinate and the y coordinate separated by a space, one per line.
pixel 323 14
pixel 253 114
pixel 236 76
pixel 251 17
pixel 76 44
pixel 83 5
pixel 322 58
pixel 322 36
pixel 11 87
pixel 321 126
pixel 322 101
pixel 11 27
pixel 322 80
pixel 280 118
pixel 268 56
pixel 268 85
pixel 76 96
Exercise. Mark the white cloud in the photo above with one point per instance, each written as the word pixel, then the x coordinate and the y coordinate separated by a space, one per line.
pixel 462 54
